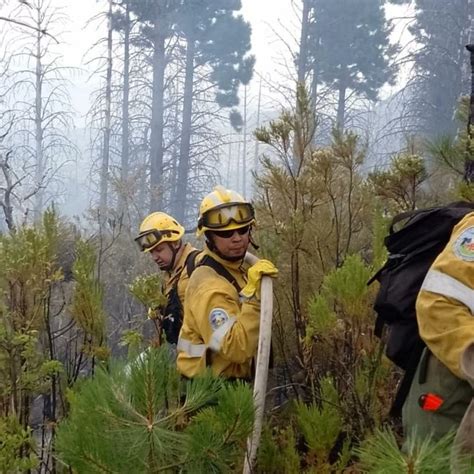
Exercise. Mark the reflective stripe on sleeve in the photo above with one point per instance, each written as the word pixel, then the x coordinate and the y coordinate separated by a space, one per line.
pixel 443 284
pixel 192 350
pixel 219 334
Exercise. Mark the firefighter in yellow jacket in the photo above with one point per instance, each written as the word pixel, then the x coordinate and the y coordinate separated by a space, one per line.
pixel 161 236
pixel 222 305
pixel 439 396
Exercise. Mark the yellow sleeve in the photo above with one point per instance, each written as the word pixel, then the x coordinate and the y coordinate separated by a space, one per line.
pixel 445 303
pixel 225 325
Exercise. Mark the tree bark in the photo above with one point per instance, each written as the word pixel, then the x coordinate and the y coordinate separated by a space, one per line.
pixel 301 74
pixel 302 59
pixel 341 106
pixel 39 173
pixel 156 138
pixel 183 167
pixel 125 111
pixel 5 202
pixel 244 147
pixel 104 175
pixel 255 159
pixel 176 145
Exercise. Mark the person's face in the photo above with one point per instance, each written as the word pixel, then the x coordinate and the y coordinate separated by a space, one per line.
pixel 232 243
pixel 162 255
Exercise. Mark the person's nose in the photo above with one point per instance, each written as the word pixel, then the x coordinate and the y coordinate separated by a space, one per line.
pixel 236 237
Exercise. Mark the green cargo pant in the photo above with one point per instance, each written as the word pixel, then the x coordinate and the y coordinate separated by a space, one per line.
pixel 432 377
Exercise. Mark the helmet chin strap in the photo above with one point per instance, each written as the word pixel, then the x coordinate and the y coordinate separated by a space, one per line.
pixel 252 242
pixel 174 251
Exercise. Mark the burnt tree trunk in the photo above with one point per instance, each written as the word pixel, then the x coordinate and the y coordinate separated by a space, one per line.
pixel 156 138
pixel 184 150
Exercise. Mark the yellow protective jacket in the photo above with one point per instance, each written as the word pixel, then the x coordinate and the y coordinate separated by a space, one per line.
pixel 179 274
pixel 219 329
pixel 445 303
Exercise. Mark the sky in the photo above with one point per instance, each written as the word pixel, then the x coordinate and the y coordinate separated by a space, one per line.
pixel 274 24
pixel 275 30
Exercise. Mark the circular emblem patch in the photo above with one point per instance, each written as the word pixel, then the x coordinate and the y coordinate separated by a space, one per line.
pixel 464 245
pixel 217 317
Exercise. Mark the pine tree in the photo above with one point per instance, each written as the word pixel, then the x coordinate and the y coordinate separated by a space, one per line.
pixel 33 358
pixel 219 39
pixel 350 50
pixel 381 453
pixel 157 20
pixel 440 31
pixel 144 418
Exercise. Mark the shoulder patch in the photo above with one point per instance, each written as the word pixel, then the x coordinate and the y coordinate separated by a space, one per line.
pixel 464 245
pixel 217 317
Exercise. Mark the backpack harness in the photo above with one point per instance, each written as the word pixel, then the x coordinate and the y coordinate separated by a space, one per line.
pixel 173 311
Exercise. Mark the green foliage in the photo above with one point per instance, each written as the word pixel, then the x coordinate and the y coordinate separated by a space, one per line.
pixel 465 191
pixel 23 368
pixel 316 213
pixel 455 156
pixel 347 286
pixel 16 446
pixel 380 454
pixel 35 334
pixel 400 185
pixel 449 152
pixel 321 423
pixel 278 453
pixel 87 302
pixel 340 328
pixel 220 432
pixel 380 230
pixel 144 418
pixel 133 341
pixel 148 290
pixel 321 318
pixel 310 206
pixel 28 258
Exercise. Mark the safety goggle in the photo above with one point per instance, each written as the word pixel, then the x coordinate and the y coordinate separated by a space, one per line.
pixel 151 238
pixel 218 217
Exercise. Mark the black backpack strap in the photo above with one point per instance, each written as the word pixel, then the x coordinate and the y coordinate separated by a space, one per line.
pixel 191 261
pixel 208 261
pixel 407 379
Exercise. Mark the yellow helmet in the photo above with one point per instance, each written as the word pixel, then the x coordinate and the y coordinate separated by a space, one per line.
pixel 156 228
pixel 224 209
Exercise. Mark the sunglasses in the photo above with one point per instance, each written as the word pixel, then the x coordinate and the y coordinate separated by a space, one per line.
pixel 227 234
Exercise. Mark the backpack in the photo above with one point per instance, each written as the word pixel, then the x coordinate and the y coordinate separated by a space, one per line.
pixel 415 239
pixel 173 310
